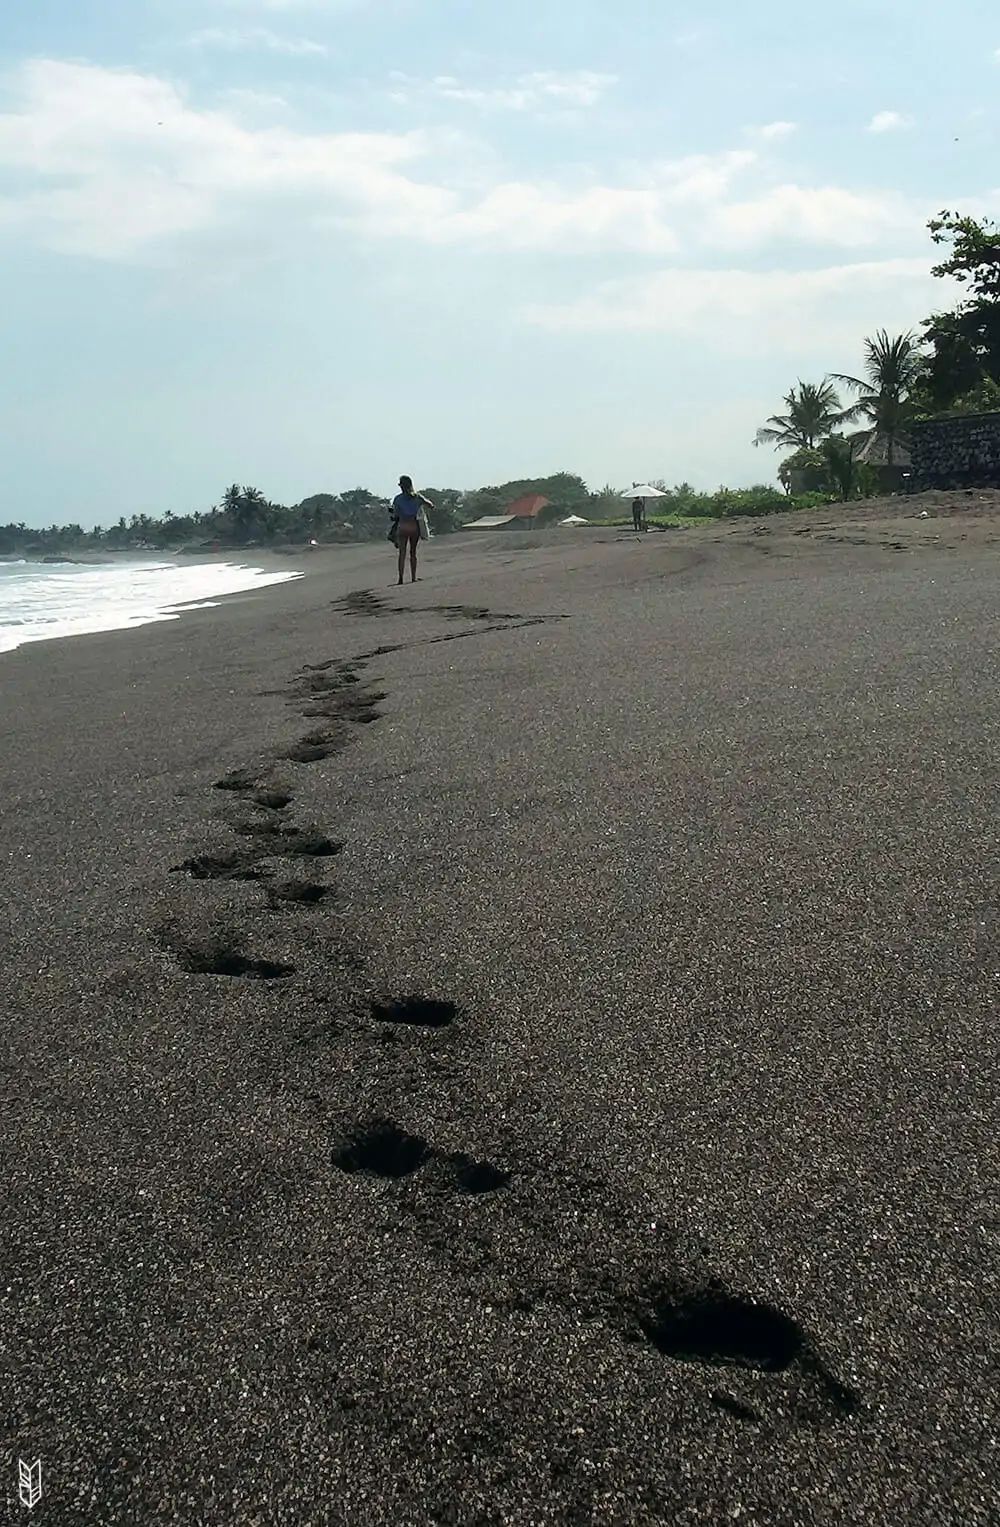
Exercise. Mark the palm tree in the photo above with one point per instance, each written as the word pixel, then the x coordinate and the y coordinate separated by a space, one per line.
pixel 813 412
pixel 892 368
pixel 253 512
pixel 245 507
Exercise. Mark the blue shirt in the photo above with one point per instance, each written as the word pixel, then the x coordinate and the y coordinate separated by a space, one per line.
pixel 407 507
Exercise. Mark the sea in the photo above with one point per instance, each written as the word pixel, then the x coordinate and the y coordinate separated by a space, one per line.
pixel 40 601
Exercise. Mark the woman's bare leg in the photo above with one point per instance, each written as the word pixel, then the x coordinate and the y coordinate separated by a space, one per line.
pixel 401 543
pixel 413 558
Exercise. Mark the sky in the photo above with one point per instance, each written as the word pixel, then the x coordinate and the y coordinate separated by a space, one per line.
pixel 313 244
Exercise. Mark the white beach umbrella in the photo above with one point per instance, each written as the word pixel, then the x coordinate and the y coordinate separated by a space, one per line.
pixel 574 519
pixel 643 490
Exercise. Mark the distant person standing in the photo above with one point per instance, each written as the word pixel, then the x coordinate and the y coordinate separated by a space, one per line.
pixel 638 514
pixel 406 508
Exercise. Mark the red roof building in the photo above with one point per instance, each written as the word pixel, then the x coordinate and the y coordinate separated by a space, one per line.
pixel 526 508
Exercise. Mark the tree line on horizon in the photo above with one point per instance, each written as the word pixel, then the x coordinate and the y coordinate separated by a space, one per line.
pixel 246 518
pixel 953 368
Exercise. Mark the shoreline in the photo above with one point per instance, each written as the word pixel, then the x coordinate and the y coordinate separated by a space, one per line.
pixel 899 523
pixel 153 610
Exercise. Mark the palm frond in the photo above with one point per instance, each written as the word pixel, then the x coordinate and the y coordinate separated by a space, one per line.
pixel 850 381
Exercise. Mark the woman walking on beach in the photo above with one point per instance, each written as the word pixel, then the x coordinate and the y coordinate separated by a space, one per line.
pixel 406 508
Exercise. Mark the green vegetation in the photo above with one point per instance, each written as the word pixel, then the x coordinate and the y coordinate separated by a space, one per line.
pixel 246 518
pixel 952 369
pixel 885 403
pixel 683 506
pixel 964 345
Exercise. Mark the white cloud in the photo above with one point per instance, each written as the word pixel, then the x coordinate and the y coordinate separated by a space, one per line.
pixel 582 89
pixel 519 215
pixel 771 132
pixel 888 122
pixel 118 164
pixel 239 39
pixel 526 93
pixel 698 179
pixel 244 99
pixel 815 215
pixel 740 309
pixel 121 161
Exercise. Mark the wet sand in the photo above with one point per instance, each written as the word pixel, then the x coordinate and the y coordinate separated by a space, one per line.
pixel 520 1048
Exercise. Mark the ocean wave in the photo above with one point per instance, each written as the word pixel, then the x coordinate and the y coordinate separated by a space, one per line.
pixel 55 600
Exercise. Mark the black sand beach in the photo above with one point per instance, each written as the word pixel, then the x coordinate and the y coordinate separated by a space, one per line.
pixel 555 1081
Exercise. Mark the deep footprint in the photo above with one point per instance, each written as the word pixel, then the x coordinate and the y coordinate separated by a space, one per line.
pixel 224 866
pixel 239 779
pixel 217 959
pixel 361 709
pixel 381 1149
pixel 328 683
pixel 719 1329
pixel 722 1330
pixel 310 845
pixel 421 1012
pixel 273 800
pixel 297 893
pixel 476 1177
pixel 305 752
pixel 317 745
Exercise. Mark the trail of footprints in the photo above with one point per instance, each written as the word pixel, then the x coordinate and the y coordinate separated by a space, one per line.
pixel 266 835
pixel 693 1319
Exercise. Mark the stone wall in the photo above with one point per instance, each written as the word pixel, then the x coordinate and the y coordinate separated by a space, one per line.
pixel 957 453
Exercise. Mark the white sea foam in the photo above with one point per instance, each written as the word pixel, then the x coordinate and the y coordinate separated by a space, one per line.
pixel 41 601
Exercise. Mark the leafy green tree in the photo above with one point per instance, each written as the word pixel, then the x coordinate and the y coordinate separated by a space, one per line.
pixel 319 514
pixel 984 398
pixel 965 343
pixel 813 412
pixel 808 465
pixel 565 490
pixel 245 511
pixel 893 368
pixel 448 513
